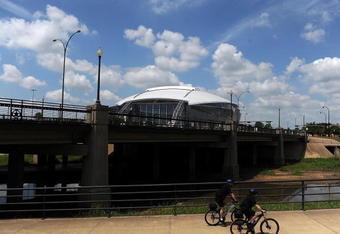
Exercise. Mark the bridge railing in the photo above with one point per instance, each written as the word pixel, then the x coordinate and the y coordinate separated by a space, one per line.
pixel 174 198
pixel 157 121
pixel 15 109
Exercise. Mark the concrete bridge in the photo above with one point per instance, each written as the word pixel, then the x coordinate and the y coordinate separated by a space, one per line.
pixel 39 128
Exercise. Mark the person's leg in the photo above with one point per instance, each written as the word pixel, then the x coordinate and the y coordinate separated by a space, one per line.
pixel 221 205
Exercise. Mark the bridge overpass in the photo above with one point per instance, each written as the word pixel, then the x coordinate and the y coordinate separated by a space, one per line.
pixel 46 129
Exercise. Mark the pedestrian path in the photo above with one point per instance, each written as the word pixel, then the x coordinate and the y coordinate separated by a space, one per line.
pixel 291 222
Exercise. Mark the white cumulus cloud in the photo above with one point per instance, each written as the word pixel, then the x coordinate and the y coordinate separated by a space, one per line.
pixel 150 76
pixel 37 35
pixel 173 52
pixel 12 74
pixel 230 67
pixel 55 96
pixel 312 33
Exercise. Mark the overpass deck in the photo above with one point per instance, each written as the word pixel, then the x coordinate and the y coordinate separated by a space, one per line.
pixel 291 222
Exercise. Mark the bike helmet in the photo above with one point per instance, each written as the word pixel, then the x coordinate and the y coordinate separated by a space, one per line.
pixel 252 191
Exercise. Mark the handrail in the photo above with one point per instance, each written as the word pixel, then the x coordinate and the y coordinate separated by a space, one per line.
pixel 55 201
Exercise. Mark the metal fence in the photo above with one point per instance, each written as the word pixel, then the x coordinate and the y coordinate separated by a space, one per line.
pixel 15 109
pixel 163 122
pixel 171 198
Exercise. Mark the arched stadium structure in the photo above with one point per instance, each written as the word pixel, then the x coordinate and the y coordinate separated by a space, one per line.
pixel 179 102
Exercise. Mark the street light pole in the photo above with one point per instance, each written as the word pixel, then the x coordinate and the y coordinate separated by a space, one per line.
pixel 324 115
pixel 239 96
pixel 33 90
pixel 63 82
pixel 279 118
pixel 328 111
pixel 100 54
pixel 231 105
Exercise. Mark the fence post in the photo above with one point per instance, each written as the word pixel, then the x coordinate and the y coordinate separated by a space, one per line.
pixel 303 195
pixel 44 203
pixel 10 110
pixel 174 210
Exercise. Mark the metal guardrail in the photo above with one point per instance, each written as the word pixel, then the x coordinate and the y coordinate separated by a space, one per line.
pixel 15 109
pixel 152 198
pixel 163 122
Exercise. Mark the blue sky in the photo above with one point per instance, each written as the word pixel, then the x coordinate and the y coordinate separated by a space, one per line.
pixel 284 53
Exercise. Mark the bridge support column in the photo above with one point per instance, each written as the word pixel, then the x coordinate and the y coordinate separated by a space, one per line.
pixel 95 164
pixel 15 175
pixel 192 164
pixel 230 164
pixel 51 178
pixel 156 163
pixel 255 155
pixel 279 158
pixel 65 160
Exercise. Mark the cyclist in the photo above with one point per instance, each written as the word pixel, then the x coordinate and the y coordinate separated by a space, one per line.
pixel 221 194
pixel 247 205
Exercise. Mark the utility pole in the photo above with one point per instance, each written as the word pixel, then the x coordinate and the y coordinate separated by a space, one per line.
pixel 279 117
pixel 33 90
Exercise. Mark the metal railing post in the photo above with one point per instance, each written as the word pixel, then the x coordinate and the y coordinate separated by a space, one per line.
pixel 44 203
pixel 174 210
pixel 302 195
pixel 21 108
pixel 10 110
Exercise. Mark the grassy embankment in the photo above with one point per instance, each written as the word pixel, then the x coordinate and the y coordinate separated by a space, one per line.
pixel 28 159
pixel 306 165
pixel 333 138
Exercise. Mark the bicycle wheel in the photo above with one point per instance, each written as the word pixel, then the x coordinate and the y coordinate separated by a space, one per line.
pixel 269 226
pixel 238 226
pixel 212 217
pixel 236 215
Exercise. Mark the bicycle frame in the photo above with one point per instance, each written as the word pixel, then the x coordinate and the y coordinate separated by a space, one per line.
pixel 259 217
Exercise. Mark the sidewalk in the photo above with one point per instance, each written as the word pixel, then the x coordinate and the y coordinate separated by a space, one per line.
pixel 291 222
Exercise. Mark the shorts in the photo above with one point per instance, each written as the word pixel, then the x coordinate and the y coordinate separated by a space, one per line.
pixel 220 201
pixel 248 213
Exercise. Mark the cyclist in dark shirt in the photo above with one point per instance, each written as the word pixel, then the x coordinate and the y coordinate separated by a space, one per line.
pixel 221 194
pixel 247 205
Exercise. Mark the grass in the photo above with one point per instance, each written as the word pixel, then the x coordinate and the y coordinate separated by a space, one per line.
pixel 204 208
pixel 28 159
pixel 305 165
pixel 3 159
pixel 333 138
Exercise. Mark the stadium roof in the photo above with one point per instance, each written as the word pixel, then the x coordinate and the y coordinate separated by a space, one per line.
pixel 192 95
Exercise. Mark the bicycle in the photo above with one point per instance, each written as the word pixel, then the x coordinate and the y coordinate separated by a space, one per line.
pixel 212 216
pixel 268 225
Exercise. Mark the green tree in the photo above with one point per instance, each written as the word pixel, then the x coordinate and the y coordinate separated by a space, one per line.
pixel 259 124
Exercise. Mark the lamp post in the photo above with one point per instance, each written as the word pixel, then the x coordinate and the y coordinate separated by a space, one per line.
pixel 63 82
pixel 328 111
pixel 33 90
pixel 279 122
pixel 231 105
pixel 324 115
pixel 239 96
pixel 100 54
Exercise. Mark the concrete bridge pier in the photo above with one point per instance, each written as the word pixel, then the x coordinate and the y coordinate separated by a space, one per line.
pixel 192 164
pixel 156 162
pixel 15 175
pixel 230 162
pixel 95 164
pixel 255 155
pixel 279 158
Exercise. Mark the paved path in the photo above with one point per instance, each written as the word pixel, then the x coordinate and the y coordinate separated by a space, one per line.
pixel 292 222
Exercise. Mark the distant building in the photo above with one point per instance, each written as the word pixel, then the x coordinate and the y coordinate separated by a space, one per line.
pixel 179 102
